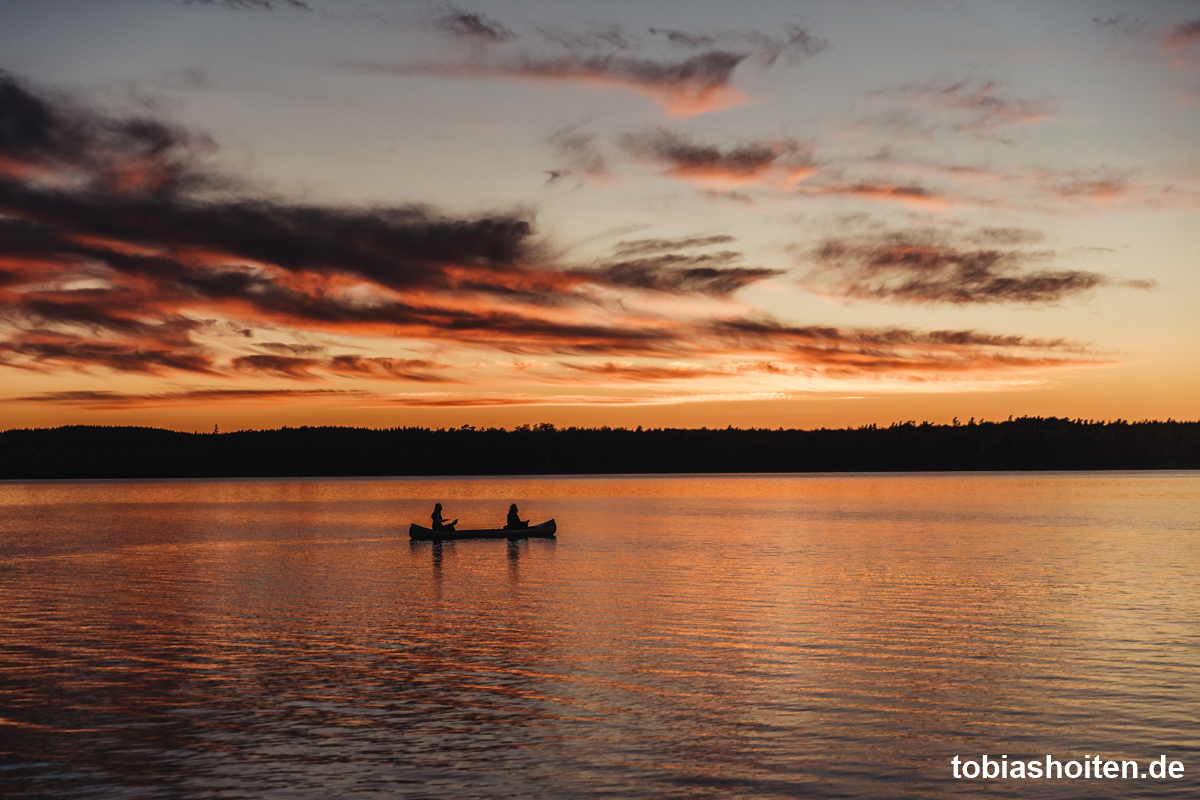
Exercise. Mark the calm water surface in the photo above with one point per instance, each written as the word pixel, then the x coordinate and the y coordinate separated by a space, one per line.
pixel 714 636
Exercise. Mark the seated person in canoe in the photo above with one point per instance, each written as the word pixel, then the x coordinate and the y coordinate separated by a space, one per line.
pixel 514 519
pixel 440 524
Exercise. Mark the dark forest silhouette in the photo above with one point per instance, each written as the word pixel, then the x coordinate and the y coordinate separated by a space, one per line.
pixel 1028 443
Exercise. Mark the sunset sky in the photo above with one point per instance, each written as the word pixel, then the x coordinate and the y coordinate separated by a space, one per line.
pixel 257 213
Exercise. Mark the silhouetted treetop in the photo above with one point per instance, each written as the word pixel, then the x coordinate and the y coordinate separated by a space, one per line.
pixel 1026 443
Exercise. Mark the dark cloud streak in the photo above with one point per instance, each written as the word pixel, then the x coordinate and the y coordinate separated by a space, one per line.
pixel 978 107
pixel 709 273
pixel 251 5
pixel 188 397
pixel 471 26
pixel 781 162
pixel 645 247
pixel 924 266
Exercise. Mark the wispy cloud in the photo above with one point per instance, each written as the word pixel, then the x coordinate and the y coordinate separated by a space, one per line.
pixel 502 400
pixel 200 397
pixel 1182 46
pixel 610 56
pixel 408 369
pixel 638 248
pixel 631 372
pixel 907 194
pixel 473 27
pixel 1182 36
pixel 794 46
pixel 786 165
pixel 250 5
pixel 665 275
pixel 903 354
pixel 973 106
pixel 294 367
pixel 356 366
pixel 578 153
pixel 780 163
pixel 928 266
pixel 1121 24
pixel 46 349
pixel 1106 189
pixel 1174 46
pixel 684 87
pixel 678 266
pixel 927 183
pixel 643 373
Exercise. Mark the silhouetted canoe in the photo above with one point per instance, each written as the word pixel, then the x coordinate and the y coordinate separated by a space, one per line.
pixel 547 528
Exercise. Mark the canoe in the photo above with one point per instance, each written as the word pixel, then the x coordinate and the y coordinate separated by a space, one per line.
pixel 547 528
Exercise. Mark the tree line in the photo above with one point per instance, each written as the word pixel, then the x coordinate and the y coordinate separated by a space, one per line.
pixel 1027 443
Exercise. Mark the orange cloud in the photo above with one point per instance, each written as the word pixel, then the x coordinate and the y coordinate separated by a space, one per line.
pixel 909 195
pixel 1182 36
pixel 680 99
pixel 684 88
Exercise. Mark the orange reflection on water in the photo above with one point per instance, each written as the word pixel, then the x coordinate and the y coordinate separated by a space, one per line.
pixel 803 635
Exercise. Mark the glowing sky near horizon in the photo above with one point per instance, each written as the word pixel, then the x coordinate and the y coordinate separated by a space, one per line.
pixel 374 212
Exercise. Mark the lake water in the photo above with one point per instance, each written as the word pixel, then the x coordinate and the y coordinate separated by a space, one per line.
pixel 688 636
